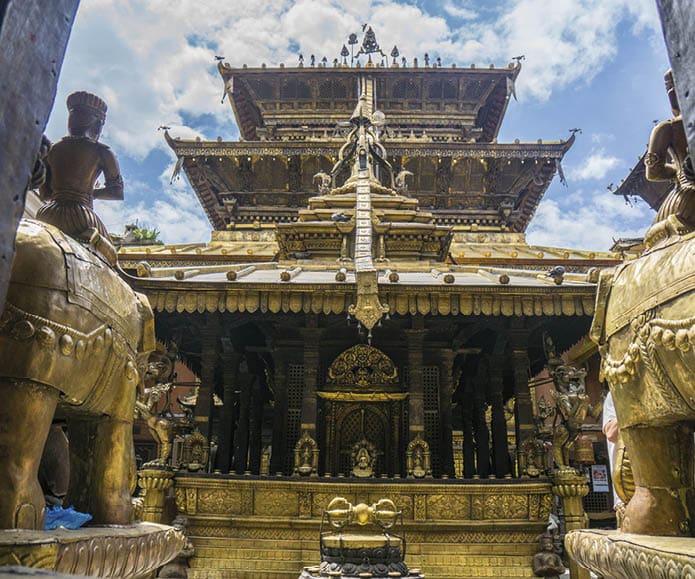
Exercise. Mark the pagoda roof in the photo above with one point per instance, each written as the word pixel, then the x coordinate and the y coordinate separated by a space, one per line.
pixel 637 185
pixel 247 244
pixel 521 173
pixel 472 101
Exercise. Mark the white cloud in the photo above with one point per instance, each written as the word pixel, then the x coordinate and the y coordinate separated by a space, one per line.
pixel 153 61
pixel 593 225
pixel 453 9
pixel 596 166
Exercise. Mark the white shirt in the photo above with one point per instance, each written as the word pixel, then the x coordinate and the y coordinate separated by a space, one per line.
pixel 608 415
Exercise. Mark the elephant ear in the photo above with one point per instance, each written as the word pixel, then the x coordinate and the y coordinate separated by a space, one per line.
pixel 148 341
pixel 598 325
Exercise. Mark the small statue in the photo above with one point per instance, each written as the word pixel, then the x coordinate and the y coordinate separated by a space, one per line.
pixel 418 458
pixel 306 456
pixel 73 165
pixel 363 459
pixel 547 563
pixel 178 568
pixel 573 406
pixel 196 451
pixel 667 160
pixel 324 182
pixel 158 383
pixel 532 457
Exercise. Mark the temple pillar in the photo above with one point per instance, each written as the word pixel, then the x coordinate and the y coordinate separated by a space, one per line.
pixel 279 442
pixel 241 437
pixel 500 447
pixel 446 391
pixel 311 335
pixel 523 407
pixel 230 368
pixel 482 435
pixel 209 344
pixel 416 397
pixel 468 437
pixel 255 426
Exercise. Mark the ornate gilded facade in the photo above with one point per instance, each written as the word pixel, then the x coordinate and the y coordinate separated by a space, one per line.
pixel 367 293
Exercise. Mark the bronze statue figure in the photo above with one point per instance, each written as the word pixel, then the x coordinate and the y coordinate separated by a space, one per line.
pixel 73 166
pixel 667 160
pixel 645 327
pixel 74 338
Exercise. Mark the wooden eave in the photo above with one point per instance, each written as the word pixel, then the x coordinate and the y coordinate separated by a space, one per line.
pixel 637 185
pixel 486 297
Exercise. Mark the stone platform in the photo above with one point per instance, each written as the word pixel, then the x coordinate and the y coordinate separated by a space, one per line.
pixel 132 552
pixel 624 556
pixel 268 528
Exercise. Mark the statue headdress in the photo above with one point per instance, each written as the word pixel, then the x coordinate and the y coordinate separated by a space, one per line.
pixel 86 101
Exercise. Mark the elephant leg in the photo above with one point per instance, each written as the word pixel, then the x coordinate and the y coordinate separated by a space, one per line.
pixel 662 464
pixel 26 413
pixel 102 458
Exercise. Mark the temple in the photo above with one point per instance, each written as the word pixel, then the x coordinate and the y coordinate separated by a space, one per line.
pixel 368 315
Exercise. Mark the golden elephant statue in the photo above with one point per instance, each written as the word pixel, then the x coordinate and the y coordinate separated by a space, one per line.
pixel 645 328
pixel 73 336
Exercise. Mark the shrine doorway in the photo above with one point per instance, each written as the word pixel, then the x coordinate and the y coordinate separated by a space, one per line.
pixel 363 400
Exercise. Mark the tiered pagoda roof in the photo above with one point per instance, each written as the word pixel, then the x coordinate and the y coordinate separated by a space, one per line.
pixel 441 124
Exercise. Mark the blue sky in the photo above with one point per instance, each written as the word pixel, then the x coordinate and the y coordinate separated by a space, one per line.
pixel 593 64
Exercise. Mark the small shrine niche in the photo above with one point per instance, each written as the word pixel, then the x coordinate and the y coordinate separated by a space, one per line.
pixel 306 456
pixel 418 458
pixel 196 452
pixel 363 459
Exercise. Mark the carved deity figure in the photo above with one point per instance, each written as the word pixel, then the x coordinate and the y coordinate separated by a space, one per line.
pixel 547 563
pixel 73 166
pixel 363 459
pixel 573 407
pixel 306 456
pixel 418 458
pixel 667 160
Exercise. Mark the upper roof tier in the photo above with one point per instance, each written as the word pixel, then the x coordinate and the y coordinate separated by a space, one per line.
pixel 465 103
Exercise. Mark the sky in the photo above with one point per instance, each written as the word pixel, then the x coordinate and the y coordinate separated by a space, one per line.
pixel 596 65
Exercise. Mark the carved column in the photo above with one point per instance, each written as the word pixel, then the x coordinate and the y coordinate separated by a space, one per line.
pixel 156 482
pixel 523 408
pixel 482 435
pixel 241 437
pixel 468 440
pixel 312 335
pixel 279 443
pixel 230 368
pixel 572 487
pixel 255 427
pixel 446 391
pixel 499 424
pixel 416 410
pixel 209 344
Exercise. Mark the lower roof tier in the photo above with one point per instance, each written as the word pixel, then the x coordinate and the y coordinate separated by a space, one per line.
pixel 461 184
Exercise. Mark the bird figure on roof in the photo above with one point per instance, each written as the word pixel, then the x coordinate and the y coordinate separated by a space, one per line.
pixel 219 58
pixel 401 183
pixel 340 217
pixel 163 128
pixel 557 273
pixel 575 131
pixel 519 58
pixel 610 186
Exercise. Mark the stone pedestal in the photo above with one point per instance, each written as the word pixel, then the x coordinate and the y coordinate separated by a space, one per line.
pixel 156 482
pixel 625 556
pixel 132 552
pixel 572 487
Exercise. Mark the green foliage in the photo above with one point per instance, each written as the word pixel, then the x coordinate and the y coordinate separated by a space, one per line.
pixel 150 236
